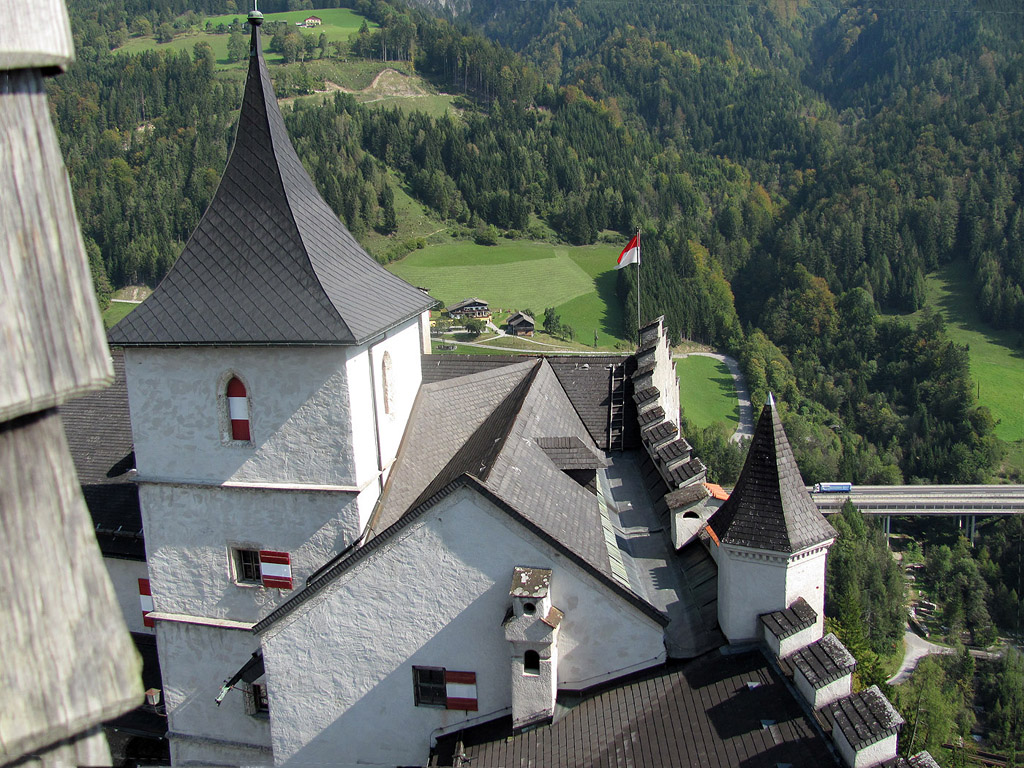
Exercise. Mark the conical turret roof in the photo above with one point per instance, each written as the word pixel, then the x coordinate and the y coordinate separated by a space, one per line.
pixel 269 263
pixel 770 508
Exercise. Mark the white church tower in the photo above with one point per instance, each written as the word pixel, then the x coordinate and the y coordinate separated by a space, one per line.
pixel 270 378
pixel 769 539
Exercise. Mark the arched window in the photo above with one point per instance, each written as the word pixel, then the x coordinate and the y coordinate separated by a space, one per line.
pixel 238 410
pixel 387 383
pixel 531 663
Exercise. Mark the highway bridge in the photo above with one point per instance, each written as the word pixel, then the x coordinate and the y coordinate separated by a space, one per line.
pixel 967 501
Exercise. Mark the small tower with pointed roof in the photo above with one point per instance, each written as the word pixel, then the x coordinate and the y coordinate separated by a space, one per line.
pixel 769 539
pixel 270 378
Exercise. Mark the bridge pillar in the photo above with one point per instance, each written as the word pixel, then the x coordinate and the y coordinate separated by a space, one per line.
pixel 888 528
pixel 974 527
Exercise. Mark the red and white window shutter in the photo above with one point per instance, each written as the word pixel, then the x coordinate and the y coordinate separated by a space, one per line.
pixel 275 569
pixel 460 689
pixel 238 410
pixel 146 602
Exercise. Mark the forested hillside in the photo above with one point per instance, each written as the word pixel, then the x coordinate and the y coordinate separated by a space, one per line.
pixel 796 169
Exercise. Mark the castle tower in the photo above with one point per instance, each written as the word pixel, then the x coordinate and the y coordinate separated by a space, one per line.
pixel 770 540
pixel 270 378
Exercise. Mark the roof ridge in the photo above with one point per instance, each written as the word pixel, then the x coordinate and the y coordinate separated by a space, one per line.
pixel 486 442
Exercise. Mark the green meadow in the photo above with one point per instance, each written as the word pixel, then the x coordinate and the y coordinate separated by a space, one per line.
pixel 707 393
pixel 578 281
pixel 338 24
pixel 997 362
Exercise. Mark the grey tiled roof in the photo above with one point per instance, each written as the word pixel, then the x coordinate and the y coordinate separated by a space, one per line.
pixel 488 425
pixel 570 453
pixel 686 471
pixel 660 431
pixel 520 317
pixel 466 303
pixel 788 622
pixel 99 432
pixel 269 263
pixel 677 449
pixel 824 661
pixel 586 380
pixel 651 416
pixel 644 395
pixel 770 508
pixel 865 718
pixel 701 714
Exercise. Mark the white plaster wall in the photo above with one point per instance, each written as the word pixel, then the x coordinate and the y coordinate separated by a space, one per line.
pixel 194 662
pixel 190 530
pixel 800 639
pixel 435 596
pixel 821 697
pixel 869 756
pixel 666 381
pixel 806 579
pixel 747 588
pixel 125 575
pixel 425 332
pixel 299 410
pixel 205 752
pixel 404 348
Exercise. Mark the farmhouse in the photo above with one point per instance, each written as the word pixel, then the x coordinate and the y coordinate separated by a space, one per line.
pixel 520 324
pixel 470 308
pixel 313 21
pixel 390 557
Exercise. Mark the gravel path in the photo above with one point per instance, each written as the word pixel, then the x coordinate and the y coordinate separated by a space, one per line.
pixel 917 648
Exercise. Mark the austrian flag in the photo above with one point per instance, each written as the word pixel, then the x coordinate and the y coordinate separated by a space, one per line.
pixel 631 253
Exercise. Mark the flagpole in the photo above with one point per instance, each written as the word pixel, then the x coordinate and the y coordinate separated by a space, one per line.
pixel 638 288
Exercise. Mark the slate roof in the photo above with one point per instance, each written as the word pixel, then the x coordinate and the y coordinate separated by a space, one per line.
pixel 520 318
pixel 586 380
pixel 646 394
pixel 488 426
pixel 570 453
pixel 269 263
pixel 651 416
pixel 702 713
pixel 788 622
pixel 99 433
pixel 660 431
pixel 770 508
pixel 686 471
pixel 824 661
pixel 864 718
pixel 677 449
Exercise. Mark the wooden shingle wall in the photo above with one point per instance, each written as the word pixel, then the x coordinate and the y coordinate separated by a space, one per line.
pixel 67 662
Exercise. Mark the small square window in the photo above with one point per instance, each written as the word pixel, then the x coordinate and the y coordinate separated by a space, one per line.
pixel 429 686
pixel 257 703
pixel 247 566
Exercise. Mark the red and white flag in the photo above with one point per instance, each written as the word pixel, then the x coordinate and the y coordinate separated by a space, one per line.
pixel 631 253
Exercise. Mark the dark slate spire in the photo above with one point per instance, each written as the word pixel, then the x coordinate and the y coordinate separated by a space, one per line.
pixel 270 263
pixel 770 508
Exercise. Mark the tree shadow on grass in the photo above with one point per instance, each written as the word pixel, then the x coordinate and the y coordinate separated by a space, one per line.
pixel 611 320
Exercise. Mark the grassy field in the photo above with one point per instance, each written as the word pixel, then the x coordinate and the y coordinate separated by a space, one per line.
pixel 997 365
pixel 338 25
pixel 115 312
pixel 706 392
pixel 525 275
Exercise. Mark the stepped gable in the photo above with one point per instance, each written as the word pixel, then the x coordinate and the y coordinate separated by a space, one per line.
pixel 269 263
pixel 824 661
pixel 786 623
pixel 865 718
pixel 770 508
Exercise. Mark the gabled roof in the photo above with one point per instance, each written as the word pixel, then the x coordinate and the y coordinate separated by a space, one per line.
pixel 481 431
pixel 466 303
pixel 786 623
pixel 824 661
pixel 865 717
pixel 269 263
pixel 770 508
pixel 520 317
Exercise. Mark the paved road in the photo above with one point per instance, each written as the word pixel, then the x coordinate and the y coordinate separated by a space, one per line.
pixel 746 426
pixel 917 648
pixel 950 500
